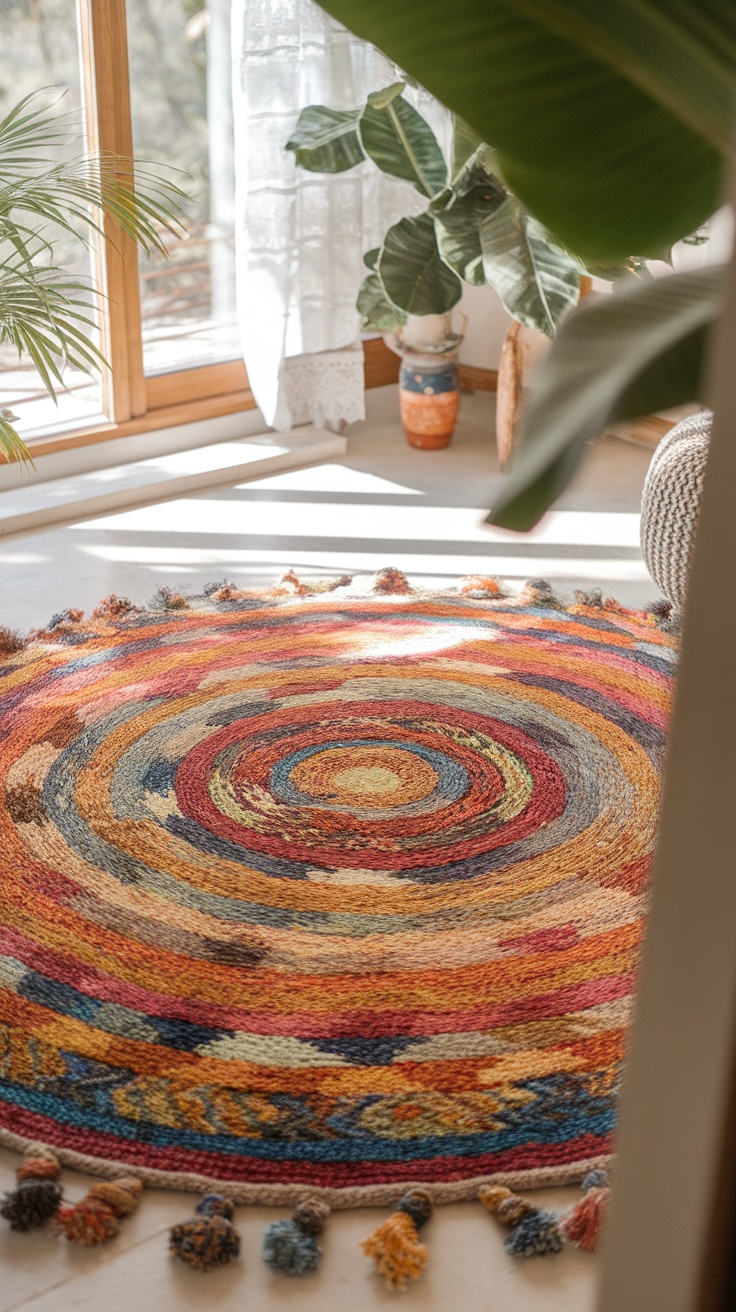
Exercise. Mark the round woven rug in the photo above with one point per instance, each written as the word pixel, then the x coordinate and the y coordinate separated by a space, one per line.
pixel 335 891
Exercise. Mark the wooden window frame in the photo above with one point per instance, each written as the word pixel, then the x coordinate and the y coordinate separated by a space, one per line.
pixel 106 90
pixel 132 401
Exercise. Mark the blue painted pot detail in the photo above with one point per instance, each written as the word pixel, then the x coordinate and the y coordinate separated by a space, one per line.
pixel 428 381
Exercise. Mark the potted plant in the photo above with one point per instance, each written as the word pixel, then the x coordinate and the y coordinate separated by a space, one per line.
pixel 45 312
pixel 473 230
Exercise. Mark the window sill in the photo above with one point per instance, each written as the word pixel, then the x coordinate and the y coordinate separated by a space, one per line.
pixel 171 416
pixel 176 399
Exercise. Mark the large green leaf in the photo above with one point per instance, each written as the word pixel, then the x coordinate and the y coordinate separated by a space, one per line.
pixel 638 350
pixel 465 142
pixel 683 54
pixel 401 142
pixel 537 281
pixel 602 164
pixel 459 211
pixel 415 276
pixel 326 140
pixel 459 245
pixel 379 315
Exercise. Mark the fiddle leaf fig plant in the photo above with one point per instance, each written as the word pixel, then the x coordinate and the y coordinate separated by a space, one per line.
pixel 472 231
pixel 612 124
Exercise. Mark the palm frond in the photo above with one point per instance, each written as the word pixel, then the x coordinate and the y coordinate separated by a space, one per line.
pixel 13 449
pixel 46 315
pixel 73 193
pixel 26 138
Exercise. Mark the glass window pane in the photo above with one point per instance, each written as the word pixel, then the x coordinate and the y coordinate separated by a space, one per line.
pixel 179 54
pixel 39 49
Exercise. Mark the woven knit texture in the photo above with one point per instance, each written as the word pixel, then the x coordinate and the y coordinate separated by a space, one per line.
pixel 334 891
pixel 670 504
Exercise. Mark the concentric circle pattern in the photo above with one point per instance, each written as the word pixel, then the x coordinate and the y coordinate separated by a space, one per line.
pixel 333 890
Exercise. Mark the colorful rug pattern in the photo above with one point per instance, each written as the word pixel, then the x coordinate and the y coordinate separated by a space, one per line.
pixel 330 890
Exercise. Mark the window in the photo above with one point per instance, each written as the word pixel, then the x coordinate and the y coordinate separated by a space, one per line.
pixel 182 116
pixel 149 78
pixel 40 48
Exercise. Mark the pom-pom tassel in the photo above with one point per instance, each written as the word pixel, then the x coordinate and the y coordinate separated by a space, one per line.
pixel 291 1246
pixel 394 1246
pixel 37 1196
pixel 210 1238
pixel 584 1224
pixel 532 1231
pixel 96 1217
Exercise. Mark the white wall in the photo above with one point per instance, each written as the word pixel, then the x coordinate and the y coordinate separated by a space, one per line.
pixel 487 325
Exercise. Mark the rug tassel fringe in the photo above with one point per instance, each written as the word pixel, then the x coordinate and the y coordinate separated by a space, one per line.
pixel 291 1246
pixel 37 1195
pixel 533 1232
pixel 583 1226
pixel 209 1239
pixel 395 1247
pixel 96 1217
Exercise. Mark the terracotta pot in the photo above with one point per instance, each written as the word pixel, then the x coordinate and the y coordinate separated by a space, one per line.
pixel 428 378
pixel 429 401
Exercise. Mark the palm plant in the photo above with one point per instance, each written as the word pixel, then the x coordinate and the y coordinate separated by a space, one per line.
pixel 46 313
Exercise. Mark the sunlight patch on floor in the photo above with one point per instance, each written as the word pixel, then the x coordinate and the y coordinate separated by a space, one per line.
pixel 258 561
pixel 369 522
pixel 329 478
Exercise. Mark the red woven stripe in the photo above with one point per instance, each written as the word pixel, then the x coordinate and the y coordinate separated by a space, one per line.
pixel 338 1175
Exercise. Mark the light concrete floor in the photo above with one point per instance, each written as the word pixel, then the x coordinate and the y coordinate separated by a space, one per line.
pixel 381 504
pixel 468 1270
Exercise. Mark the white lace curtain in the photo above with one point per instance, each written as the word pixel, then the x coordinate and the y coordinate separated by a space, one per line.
pixel 301 236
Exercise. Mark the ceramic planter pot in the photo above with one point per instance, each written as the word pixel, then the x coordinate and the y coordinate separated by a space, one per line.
pixel 429 401
pixel 428 380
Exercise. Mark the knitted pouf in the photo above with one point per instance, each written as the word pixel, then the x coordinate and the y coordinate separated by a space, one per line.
pixel 670 504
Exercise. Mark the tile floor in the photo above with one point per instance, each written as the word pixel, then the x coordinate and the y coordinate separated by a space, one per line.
pixel 381 504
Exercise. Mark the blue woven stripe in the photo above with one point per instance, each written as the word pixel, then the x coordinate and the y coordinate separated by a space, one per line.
pixel 552 1129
